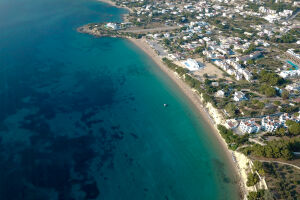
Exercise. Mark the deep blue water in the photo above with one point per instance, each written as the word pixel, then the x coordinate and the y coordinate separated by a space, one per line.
pixel 83 117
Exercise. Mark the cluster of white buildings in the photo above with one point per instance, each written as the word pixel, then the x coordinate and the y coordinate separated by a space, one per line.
pixel 295 87
pixel 289 73
pixel 292 54
pixel 194 28
pixel 268 124
pixel 284 117
pixel 272 16
pixel 249 126
pixel 202 9
pixel 218 51
pixel 232 67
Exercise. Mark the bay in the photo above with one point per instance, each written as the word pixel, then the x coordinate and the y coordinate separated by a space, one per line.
pixel 83 117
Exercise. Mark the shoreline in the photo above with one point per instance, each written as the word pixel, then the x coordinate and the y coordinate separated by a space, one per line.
pixel 195 99
pixel 112 3
pixel 235 159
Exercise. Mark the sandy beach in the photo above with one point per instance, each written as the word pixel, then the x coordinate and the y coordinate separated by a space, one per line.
pixel 112 3
pixel 195 99
pixel 210 115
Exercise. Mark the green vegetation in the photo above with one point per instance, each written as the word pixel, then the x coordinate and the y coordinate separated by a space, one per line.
pixel 279 6
pixel 270 78
pixel 259 195
pixel 268 62
pixel 280 132
pixel 267 90
pixel 233 141
pixel 287 38
pixel 251 49
pixel 274 149
pixel 258 166
pixel 252 179
pixel 283 181
pixel 293 127
pixel 253 6
pixel 289 108
pixel 192 82
pixel 199 49
pixel 179 70
pixel 231 109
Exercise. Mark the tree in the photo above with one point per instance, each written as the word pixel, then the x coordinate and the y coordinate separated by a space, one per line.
pixel 251 48
pixel 287 38
pixel 281 131
pixel 285 94
pixel 270 78
pixel 258 166
pixel 250 62
pixel 252 179
pixel 293 127
pixel 277 103
pixel 259 195
pixel 231 109
pixel 267 90
pixel 199 49
pixel 260 105
pixel 166 42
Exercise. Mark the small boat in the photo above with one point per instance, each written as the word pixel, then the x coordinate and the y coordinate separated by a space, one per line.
pixel 165 105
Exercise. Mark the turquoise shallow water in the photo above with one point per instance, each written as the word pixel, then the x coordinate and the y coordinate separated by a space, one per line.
pixel 83 117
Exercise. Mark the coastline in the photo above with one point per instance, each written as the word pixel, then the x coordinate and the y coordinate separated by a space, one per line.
pixel 208 113
pixel 112 3
pixel 196 100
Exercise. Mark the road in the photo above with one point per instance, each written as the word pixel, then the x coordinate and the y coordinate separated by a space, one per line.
pixel 151 30
pixel 293 15
pixel 259 117
pixel 283 163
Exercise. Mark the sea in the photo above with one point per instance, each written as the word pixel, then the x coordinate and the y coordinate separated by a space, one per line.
pixel 84 118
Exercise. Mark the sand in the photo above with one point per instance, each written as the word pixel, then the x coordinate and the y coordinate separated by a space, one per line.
pixel 210 114
pixel 112 3
pixel 211 70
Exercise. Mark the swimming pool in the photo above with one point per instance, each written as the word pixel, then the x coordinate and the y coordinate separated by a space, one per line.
pixel 294 66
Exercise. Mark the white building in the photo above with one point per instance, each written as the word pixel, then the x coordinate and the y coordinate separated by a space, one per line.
pixel 293 87
pixel 249 126
pixel 238 76
pixel 239 96
pixel 248 76
pixel 191 64
pixel 231 123
pixel 113 26
pixel 284 117
pixel 289 73
pixel 220 93
pixel 294 55
pixel 269 124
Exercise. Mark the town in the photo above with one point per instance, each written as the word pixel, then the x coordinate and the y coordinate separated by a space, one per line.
pixel 243 58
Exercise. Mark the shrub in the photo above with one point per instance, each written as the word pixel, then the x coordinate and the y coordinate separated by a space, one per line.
pixel 252 179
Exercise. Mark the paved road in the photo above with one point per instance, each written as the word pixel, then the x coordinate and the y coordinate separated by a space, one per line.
pixel 158 29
